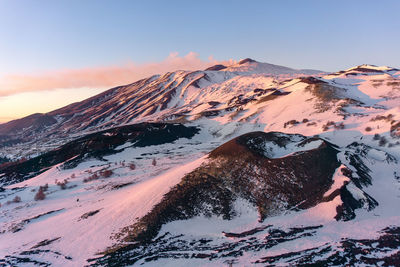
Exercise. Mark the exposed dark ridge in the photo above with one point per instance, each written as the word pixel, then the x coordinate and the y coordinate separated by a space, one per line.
pixel 246 60
pixel 209 113
pixel 312 80
pixel 89 214
pixel 45 242
pixel 275 94
pixel 196 81
pixel 216 67
pixel 167 98
pixel 238 100
pixel 346 211
pixel 366 69
pixel 247 233
pixel 348 252
pixel 278 92
pixel 360 177
pixel 97 145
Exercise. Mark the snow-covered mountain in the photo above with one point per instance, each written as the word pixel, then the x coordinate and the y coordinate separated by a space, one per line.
pixel 157 98
pixel 250 66
pixel 248 164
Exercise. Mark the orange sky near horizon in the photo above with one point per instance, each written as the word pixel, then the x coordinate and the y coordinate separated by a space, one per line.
pixel 25 94
pixel 24 104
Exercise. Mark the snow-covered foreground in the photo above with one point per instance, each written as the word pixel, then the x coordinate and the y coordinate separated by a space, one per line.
pixel 113 207
pixel 247 249
pixel 83 216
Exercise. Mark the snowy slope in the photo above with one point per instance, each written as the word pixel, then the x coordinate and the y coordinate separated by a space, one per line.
pixel 354 220
pixel 249 65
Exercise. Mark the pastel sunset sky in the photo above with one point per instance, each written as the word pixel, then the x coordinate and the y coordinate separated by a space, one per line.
pixel 53 53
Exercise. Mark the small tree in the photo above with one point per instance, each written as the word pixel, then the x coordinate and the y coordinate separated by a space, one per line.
pixel 40 195
pixel 92 177
pixel 132 166
pixel 62 184
pixel 154 162
pixel 106 173
pixel 17 199
pixel 339 126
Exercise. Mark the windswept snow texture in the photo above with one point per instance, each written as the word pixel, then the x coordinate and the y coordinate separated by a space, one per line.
pixel 269 166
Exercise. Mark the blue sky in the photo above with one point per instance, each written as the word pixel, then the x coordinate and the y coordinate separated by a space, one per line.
pixel 62 51
pixel 43 35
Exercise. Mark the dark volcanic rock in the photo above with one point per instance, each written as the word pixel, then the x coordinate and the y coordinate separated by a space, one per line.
pixel 96 145
pixel 349 252
pixel 216 67
pixel 246 60
pixel 312 80
pixel 366 70
pixel 177 247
